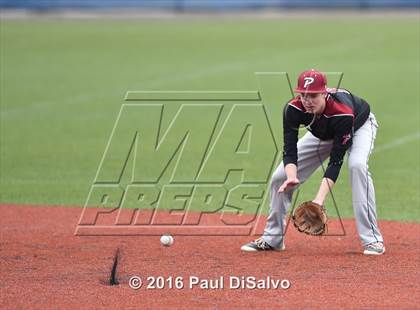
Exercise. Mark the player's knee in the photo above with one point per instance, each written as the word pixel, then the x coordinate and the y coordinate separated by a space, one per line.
pixel 357 166
pixel 274 183
pixel 278 178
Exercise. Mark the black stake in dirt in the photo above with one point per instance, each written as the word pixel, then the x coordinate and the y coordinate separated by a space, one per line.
pixel 113 277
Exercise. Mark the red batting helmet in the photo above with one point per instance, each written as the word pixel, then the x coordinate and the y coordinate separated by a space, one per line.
pixel 311 81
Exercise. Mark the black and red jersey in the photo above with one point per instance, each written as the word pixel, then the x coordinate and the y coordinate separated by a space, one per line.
pixel 344 114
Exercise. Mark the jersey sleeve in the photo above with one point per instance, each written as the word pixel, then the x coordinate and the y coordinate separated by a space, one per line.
pixel 290 134
pixel 342 142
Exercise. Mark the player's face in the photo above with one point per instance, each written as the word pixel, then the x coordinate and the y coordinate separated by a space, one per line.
pixel 313 103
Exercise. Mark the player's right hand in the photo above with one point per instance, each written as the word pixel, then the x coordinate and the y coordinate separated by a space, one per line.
pixel 288 184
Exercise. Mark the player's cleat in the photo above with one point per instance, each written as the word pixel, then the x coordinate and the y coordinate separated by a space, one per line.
pixel 375 248
pixel 260 245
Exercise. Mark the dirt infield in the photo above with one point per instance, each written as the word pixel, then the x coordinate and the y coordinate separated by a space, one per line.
pixel 43 265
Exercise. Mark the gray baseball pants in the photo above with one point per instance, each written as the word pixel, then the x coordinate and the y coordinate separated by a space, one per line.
pixel 311 153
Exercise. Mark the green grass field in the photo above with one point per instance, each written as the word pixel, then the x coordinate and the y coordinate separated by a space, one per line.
pixel 63 82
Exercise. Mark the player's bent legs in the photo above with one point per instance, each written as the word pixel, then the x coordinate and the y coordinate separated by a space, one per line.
pixel 363 192
pixel 279 204
pixel 311 153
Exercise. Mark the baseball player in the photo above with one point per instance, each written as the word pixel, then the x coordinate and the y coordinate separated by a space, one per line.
pixel 337 121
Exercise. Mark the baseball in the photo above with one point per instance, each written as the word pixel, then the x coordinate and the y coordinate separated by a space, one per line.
pixel 166 240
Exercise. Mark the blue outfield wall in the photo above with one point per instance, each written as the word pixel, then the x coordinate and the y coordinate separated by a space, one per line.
pixel 205 4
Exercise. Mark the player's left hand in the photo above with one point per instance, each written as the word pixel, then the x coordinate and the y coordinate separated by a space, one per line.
pixel 310 218
pixel 319 202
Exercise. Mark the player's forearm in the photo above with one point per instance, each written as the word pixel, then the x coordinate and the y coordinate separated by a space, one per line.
pixel 291 171
pixel 326 186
